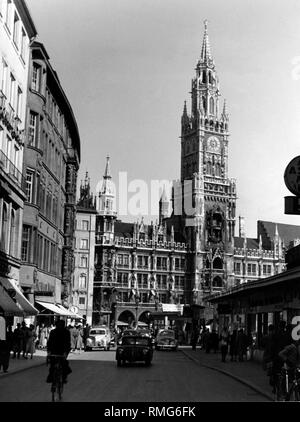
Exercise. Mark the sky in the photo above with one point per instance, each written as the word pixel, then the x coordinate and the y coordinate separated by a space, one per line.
pixel 126 67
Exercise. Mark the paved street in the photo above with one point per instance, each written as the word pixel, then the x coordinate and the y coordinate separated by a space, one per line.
pixel 172 377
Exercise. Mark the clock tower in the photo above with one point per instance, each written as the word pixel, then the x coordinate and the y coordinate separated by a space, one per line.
pixel 209 220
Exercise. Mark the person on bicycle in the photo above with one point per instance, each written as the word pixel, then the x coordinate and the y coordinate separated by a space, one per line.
pixel 290 355
pixel 59 343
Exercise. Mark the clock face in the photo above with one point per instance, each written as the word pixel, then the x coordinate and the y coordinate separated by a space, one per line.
pixel 213 144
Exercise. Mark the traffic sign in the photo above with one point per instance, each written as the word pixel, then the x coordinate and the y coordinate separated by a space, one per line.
pixel 74 309
pixel 292 176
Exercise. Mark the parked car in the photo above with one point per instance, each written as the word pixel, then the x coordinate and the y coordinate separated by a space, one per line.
pixel 134 347
pixel 166 340
pixel 99 338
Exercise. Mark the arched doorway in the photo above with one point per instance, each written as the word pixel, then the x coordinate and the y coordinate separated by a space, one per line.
pixel 126 317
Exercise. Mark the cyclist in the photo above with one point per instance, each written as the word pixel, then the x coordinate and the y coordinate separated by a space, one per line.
pixel 59 343
pixel 290 356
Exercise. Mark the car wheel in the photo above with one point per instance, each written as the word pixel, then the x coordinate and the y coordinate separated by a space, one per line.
pixel 147 362
pixel 119 362
pixel 87 349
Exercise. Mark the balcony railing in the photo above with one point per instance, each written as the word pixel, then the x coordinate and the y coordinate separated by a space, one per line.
pixel 11 170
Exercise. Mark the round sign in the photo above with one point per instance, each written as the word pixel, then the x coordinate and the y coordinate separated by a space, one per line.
pixel 292 176
pixel 74 309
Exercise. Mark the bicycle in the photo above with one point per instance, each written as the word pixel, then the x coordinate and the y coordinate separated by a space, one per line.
pixel 285 389
pixel 282 384
pixel 57 380
pixel 294 388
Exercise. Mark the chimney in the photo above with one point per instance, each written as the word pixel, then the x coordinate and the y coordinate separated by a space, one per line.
pixel 242 227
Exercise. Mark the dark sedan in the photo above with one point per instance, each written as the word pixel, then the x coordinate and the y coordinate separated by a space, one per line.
pixel 166 340
pixel 134 348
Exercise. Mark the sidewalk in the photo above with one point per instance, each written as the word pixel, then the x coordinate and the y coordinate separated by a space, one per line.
pixel 19 365
pixel 248 372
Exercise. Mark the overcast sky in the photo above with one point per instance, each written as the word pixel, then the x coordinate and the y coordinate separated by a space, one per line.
pixel 126 67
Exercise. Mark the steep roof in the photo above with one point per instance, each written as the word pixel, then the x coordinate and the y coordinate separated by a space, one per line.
pixel 251 243
pixel 287 232
pixel 123 229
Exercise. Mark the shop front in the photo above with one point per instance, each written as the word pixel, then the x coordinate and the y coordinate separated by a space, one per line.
pixel 253 306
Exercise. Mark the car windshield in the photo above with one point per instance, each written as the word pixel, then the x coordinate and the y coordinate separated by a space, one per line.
pixel 168 333
pixel 99 331
pixel 135 340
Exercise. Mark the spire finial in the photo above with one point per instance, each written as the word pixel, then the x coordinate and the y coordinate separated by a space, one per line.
pixel 206 53
pixel 107 174
pixel 205 25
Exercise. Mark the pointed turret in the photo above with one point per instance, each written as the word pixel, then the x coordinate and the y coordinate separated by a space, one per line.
pixel 185 121
pixel 224 115
pixel 86 199
pixel 106 196
pixel 163 206
pixel 206 55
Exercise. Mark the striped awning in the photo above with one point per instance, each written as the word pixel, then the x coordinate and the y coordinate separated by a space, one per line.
pixel 7 306
pixel 23 304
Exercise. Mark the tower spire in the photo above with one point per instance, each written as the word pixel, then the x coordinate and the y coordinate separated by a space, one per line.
pixel 206 52
pixel 107 174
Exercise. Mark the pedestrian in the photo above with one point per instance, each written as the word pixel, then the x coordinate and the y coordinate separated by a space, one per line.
pixel 25 331
pixel 242 344
pixel 233 345
pixel 214 340
pixel 4 347
pixel 17 341
pixel 86 333
pixel 206 340
pixel 267 345
pixel 194 338
pixel 43 337
pixel 74 335
pixel 224 339
pixel 30 345
pixel 79 340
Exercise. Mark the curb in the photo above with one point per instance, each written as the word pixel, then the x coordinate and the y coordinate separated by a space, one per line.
pixel 17 371
pixel 229 374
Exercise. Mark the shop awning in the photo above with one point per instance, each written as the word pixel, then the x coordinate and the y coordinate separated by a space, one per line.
pixel 68 312
pixel 58 309
pixel 8 306
pixel 23 303
pixel 51 307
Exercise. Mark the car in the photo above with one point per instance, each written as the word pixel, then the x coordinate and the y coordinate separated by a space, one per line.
pixel 166 340
pixel 99 338
pixel 134 347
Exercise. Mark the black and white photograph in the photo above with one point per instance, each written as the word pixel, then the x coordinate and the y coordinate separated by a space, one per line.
pixel 149 204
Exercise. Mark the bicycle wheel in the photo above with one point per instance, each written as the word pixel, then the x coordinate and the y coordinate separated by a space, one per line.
pixel 60 388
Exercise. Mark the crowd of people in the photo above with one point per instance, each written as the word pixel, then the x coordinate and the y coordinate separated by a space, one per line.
pixel 23 340
pixel 234 343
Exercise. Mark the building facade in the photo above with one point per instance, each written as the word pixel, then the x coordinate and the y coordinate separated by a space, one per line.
pixel 51 162
pixel 172 266
pixel 16 33
pixel 84 253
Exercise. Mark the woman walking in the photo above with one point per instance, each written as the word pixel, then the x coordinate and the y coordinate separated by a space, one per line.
pixel 79 342
pixel 224 338
pixel 30 344
pixel 43 337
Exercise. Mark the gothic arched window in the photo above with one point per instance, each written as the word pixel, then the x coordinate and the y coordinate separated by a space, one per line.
pixel 217 282
pixel 204 103
pixel 209 168
pixel 218 264
pixel 209 77
pixel 211 106
pixel 218 170
pixel 204 77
